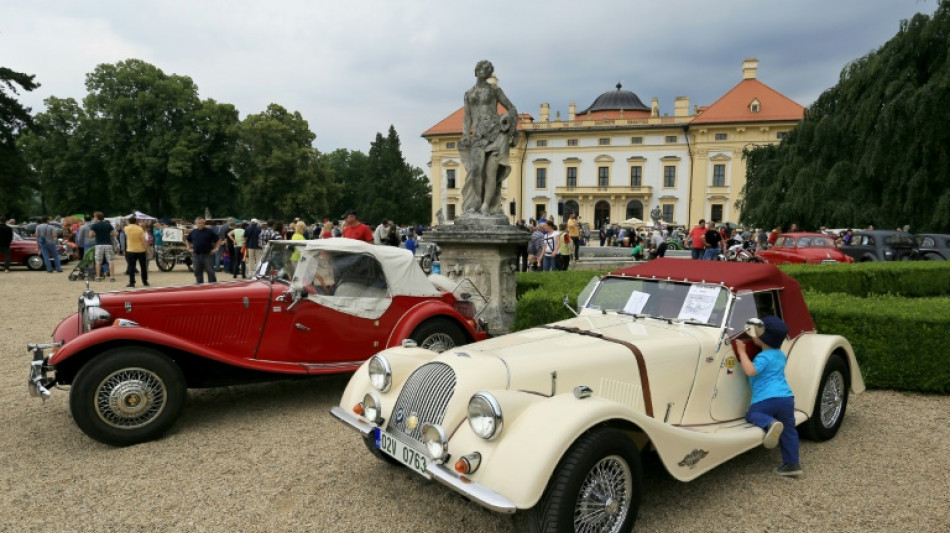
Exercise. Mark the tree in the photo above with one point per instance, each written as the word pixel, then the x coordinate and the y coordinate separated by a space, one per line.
pixel 348 168
pixel 14 117
pixel 391 188
pixel 870 150
pixel 280 173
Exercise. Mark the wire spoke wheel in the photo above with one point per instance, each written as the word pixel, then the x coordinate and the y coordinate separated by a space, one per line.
pixel 130 398
pixel 832 399
pixel 438 342
pixel 605 496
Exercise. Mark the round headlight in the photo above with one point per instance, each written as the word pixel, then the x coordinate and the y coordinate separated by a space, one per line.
pixel 437 444
pixel 95 317
pixel 380 373
pixel 372 409
pixel 484 415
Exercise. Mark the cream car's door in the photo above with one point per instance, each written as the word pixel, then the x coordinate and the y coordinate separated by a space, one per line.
pixel 732 392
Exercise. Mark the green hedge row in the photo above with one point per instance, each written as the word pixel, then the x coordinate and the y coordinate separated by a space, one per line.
pixel 899 342
pixel 913 279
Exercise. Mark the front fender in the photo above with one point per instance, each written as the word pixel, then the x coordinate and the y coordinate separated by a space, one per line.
pixel 807 358
pixel 93 340
pixel 424 311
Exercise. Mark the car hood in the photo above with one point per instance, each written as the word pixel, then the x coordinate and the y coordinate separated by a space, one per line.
pixel 548 361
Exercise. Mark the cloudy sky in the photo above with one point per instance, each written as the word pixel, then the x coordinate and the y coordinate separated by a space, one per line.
pixel 353 68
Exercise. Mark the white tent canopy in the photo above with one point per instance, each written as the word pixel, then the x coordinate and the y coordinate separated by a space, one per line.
pixel 139 216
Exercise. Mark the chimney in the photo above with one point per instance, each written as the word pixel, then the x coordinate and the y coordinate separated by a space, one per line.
pixel 545 113
pixel 655 107
pixel 571 111
pixel 681 106
pixel 749 68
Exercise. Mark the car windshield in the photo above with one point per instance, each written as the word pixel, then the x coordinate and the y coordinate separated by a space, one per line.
pixel 816 242
pixel 276 261
pixel 668 300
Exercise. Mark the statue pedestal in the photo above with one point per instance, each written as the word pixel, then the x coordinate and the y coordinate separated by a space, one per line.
pixel 484 249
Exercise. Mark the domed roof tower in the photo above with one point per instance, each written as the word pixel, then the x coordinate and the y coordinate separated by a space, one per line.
pixel 615 101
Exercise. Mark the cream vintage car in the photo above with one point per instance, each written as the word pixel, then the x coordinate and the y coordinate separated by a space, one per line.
pixel 550 422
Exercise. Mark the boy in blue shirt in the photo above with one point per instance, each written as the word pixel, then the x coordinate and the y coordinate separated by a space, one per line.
pixel 773 403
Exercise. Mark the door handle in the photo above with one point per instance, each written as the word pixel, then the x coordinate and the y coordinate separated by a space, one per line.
pixel 301 327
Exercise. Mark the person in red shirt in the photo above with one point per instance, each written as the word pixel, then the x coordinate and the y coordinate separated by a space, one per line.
pixel 354 229
pixel 695 239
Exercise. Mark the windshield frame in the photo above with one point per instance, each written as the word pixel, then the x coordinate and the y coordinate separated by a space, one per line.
pixel 719 313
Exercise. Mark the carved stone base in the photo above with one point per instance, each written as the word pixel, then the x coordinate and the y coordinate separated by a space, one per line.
pixel 486 253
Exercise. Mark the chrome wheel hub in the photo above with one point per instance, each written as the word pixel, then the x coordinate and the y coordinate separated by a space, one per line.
pixel 832 399
pixel 437 342
pixel 130 398
pixel 605 497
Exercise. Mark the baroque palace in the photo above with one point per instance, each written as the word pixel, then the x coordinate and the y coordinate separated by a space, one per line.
pixel 620 159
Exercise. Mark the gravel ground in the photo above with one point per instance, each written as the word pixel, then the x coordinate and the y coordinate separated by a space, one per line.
pixel 270 458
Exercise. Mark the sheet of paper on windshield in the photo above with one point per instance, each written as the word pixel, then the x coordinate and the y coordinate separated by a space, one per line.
pixel 699 302
pixel 636 302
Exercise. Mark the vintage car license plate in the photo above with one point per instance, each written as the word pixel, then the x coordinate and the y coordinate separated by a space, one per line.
pixel 394 448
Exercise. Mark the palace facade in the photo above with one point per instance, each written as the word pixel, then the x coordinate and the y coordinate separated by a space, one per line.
pixel 620 158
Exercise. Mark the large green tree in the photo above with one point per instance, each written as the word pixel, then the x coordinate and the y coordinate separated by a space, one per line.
pixel 15 178
pixel 391 188
pixel 280 173
pixel 872 149
pixel 348 168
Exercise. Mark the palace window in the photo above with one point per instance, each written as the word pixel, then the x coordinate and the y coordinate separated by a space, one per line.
pixel 450 178
pixel 541 143
pixel 541 178
pixel 781 135
pixel 636 140
pixel 572 176
pixel 671 138
pixel 669 176
pixel 722 136
pixel 636 177
pixel 668 212
pixel 603 141
pixel 449 145
pixel 572 142
pixel 719 175
pixel 450 212
pixel 603 176
pixel 716 213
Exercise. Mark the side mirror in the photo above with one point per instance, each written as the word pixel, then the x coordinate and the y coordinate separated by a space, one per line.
pixel 567 305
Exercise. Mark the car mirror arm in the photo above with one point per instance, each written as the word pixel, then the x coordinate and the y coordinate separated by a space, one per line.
pixel 567 305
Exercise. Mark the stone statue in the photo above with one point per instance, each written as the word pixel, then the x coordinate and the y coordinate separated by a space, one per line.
pixel 486 138
pixel 657 215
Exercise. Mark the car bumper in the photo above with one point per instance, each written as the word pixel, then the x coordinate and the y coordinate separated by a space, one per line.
pixel 40 382
pixel 477 493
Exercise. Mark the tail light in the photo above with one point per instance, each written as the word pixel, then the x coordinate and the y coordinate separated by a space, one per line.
pixel 465 308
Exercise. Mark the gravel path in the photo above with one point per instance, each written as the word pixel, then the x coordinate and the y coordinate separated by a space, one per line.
pixel 269 458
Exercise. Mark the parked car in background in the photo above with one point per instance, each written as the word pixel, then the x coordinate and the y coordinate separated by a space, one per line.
pixel 550 422
pixel 313 307
pixel 881 245
pixel 811 248
pixel 931 246
pixel 25 251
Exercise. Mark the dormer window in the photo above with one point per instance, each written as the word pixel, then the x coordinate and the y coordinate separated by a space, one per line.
pixel 755 106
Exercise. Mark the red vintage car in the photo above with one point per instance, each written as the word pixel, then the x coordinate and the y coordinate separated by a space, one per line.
pixel 811 248
pixel 26 252
pixel 313 307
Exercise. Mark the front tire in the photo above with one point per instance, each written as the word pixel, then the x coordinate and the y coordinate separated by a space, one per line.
pixel 831 401
pixel 438 335
pixel 127 395
pixel 34 262
pixel 164 262
pixel 596 488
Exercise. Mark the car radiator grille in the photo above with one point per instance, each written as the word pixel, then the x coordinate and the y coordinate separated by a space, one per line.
pixel 426 395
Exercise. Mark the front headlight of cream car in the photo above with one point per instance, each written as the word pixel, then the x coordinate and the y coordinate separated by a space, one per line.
pixel 435 440
pixel 380 373
pixel 372 408
pixel 484 415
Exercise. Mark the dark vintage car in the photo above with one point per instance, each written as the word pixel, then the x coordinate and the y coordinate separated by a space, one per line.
pixel 810 248
pixel 313 307
pixel 933 246
pixel 881 245
pixel 25 251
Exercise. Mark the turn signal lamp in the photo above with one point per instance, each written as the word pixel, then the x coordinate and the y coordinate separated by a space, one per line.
pixel 358 409
pixel 468 464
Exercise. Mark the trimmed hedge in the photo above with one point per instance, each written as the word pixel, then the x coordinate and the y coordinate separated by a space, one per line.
pixel 899 342
pixel 913 279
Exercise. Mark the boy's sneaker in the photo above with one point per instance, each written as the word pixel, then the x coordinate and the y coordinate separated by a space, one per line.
pixel 112 280
pixel 787 469
pixel 772 435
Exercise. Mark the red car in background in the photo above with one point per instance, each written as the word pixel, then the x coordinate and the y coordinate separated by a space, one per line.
pixel 313 307
pixel 26 252
pixel 810 248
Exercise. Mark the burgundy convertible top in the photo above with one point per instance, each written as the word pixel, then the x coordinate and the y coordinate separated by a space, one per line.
pixel 738 277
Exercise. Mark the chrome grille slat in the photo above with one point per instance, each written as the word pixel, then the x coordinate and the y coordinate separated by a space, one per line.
pixel 427 394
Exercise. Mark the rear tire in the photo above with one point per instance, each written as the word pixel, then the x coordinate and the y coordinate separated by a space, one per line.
pixel 34 262
pixel 831 401
pixel 164 262
pixel 596 487
pixel 438 335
